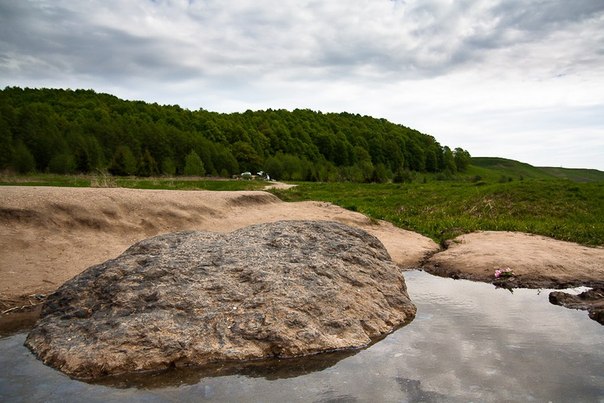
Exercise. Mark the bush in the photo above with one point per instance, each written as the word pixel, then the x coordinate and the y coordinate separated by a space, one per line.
pixel 194 165
pixel 123 162
pixel 62 164
pixel 403 176
pixel 23 160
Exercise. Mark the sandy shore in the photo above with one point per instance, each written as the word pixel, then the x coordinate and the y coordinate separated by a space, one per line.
pixel 535 261
pixel 49 234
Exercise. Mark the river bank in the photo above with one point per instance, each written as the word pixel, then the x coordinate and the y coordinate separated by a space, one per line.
pixel 50 234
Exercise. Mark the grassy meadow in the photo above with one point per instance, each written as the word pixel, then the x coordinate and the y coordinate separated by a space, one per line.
pixel 443 210
pixel 107 181
pixel 494 194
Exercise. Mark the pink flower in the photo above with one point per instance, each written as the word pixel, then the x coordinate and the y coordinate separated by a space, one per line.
pixel 507 272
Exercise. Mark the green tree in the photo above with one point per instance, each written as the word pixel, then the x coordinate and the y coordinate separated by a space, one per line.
pixel 193 165
pixel 147 166
pixel 86 151
pixel 381 174
pixel 123 162
pixel 93 128
pixel 462 159
pixel 247 157
pixel 168 167
pixel 364 173
pixel 40 129
pixel 274 166
pixel 23 159
pixel 431 161
pixel 6 143
pixel 449 160
pixel 63 163
pixel 225 161
pixel 293 167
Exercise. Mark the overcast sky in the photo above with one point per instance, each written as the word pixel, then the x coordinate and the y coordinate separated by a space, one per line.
pixel 521 79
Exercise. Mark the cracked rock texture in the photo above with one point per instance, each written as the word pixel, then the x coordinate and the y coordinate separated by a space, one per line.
pixel 283 289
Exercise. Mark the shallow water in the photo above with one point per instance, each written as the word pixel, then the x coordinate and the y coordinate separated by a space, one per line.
pixel 469 342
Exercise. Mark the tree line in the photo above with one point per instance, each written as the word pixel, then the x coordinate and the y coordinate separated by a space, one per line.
pixel 81 131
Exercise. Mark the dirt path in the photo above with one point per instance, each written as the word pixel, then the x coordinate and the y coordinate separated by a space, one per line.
pixel 279 185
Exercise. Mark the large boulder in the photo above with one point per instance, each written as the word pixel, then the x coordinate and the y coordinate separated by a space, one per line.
pixel 283 289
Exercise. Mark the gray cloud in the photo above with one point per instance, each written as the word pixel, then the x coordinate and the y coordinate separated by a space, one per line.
pixel 399 40
pixel 412 61
pixel 53 40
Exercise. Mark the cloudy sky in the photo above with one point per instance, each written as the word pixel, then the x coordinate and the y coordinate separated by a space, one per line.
pixel 521 79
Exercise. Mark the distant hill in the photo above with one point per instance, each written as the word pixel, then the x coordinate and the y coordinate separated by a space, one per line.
pixel 81 131
pixel 575 175
pixel 492 167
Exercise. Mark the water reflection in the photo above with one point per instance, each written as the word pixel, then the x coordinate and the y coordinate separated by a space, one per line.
pixel 270 369
pixel 469 342
pixel 19 322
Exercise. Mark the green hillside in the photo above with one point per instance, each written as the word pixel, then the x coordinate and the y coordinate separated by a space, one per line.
pixel 54 131
pixel 489 167
pixel 81 131
pixel 505 169
pixel 575 175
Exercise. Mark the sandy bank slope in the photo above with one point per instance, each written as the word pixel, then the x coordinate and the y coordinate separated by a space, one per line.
pixel 48 235
pixel 536 261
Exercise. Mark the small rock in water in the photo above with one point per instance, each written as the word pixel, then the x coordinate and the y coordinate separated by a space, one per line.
pixel 283 289
pixel 591 300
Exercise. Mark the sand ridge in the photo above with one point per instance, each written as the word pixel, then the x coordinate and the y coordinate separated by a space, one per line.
pixel 49 234
pixel 536 261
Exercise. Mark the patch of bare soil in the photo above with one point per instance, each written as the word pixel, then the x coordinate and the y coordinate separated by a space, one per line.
pixel 535 261
pixel 524 261
pixel 48 235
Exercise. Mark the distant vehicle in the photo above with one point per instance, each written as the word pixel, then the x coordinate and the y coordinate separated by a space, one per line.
pixel 260 175
pixel 263 175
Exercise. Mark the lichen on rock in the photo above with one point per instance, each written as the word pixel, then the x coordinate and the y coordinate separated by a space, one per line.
pixel 284 289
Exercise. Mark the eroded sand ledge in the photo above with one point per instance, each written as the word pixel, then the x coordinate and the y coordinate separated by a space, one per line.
pixel 536 261
pixel 49 234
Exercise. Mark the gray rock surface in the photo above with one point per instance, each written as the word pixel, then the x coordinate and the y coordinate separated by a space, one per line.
pixel 592 301
pixel 283 289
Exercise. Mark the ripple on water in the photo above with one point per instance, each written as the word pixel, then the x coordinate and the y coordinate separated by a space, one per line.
pixel 469 341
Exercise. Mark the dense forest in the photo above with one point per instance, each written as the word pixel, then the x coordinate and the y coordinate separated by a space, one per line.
pixel 81 131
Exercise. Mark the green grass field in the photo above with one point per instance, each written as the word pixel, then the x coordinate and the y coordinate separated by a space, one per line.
pixel 495 194
pixel 442 210
pixel 178 183
pixel 493 167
